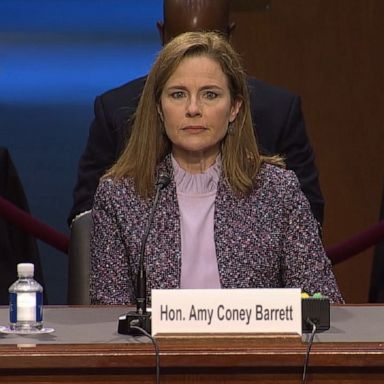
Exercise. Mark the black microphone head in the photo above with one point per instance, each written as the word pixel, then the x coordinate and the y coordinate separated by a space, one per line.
pixel 163 180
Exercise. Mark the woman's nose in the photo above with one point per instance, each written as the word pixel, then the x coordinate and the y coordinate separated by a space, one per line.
pixel 193 107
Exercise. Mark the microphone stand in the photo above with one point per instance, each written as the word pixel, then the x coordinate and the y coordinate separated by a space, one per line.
pixel 141 318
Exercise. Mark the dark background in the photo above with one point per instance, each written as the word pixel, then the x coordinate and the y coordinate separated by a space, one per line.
pixel 55 57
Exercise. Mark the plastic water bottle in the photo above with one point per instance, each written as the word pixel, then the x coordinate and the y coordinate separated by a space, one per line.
pixel 26 301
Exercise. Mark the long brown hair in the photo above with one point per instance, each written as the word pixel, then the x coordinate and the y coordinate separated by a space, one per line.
pixel 148 145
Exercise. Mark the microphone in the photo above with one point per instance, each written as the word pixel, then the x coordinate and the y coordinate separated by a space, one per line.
pixel 141 318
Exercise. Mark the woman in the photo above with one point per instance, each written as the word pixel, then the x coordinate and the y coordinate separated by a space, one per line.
pixel 229 218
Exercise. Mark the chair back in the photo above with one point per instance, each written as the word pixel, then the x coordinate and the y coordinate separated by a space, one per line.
pixel 79 260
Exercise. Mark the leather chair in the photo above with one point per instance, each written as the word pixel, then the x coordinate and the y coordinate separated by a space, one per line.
pixel 79 260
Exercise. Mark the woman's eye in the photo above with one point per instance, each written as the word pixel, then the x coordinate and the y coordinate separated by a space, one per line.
pixel 177 95
pixel 210 95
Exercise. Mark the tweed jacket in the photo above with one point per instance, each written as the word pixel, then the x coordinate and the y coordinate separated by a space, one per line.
pixel 268 239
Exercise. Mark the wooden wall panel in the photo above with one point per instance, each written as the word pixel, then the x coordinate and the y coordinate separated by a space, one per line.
pixel 331 53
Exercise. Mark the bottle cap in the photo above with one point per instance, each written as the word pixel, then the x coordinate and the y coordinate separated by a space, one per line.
pixel 25 269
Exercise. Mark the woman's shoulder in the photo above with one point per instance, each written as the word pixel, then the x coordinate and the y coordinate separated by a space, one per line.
pixel 114 189
pixel 279 184
pixel 273 175
pixel 115 184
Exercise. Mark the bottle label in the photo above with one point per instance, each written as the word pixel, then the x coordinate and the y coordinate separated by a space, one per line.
pixel 26 306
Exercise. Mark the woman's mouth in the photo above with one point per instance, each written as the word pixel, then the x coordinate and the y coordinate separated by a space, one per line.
pixel 194 128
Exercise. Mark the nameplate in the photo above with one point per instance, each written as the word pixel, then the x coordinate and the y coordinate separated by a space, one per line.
pixel 226 311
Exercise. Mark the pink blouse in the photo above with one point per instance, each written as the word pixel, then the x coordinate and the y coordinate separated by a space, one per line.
pixel 196 195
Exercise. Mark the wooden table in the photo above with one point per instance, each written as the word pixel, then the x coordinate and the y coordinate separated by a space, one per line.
pixel 87 349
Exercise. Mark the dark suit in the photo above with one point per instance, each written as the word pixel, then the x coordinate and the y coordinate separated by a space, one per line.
pixel 16 246
pixel 279 128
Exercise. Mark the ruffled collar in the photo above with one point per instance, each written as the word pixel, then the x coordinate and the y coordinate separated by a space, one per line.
pixel 204 182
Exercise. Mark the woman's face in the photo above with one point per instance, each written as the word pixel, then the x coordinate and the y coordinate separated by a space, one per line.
pixel 196 108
